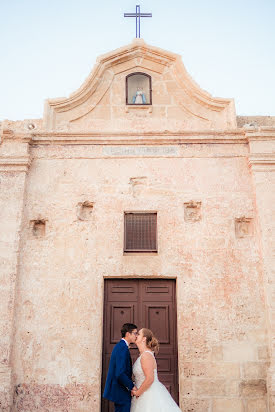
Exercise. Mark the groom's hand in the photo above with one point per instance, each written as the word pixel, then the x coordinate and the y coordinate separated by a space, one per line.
pixel 133 391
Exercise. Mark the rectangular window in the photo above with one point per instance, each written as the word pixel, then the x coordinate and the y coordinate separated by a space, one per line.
pixel 140 232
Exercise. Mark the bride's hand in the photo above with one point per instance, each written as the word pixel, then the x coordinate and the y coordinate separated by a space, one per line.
pixel 133 391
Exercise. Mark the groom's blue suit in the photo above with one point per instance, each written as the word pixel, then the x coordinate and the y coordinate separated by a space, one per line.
pixel 119 379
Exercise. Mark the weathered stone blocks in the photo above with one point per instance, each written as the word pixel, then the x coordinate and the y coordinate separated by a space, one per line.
pixel 212 187
pixel 254 388
pixel 195 405
pixel 54 398
pixel 255 370
pixel 228 405
pixel 256 405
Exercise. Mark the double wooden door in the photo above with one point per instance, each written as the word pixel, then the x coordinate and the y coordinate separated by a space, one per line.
pixel 149 303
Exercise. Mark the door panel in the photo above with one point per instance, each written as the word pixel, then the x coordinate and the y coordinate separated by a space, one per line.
pixel 157 319
pixel 148 303
pixel 120 314
pixel 122 290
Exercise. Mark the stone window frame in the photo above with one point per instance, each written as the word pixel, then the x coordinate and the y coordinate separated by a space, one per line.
pixel 150 89
pixel 143 212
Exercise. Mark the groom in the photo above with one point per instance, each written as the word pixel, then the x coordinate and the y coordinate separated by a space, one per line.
pixel 119 383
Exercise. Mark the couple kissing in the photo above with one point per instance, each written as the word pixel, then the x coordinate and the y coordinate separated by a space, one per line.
pixel 145 393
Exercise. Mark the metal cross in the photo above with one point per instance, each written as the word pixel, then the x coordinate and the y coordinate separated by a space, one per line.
pixel 137 15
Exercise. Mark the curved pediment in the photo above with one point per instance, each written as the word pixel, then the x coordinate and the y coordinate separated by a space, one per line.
pixel 178 103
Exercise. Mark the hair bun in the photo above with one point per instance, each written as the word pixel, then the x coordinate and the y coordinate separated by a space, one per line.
pixel 151 341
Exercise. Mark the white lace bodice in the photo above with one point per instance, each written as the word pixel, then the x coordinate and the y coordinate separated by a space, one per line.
pixel 138 372
pixel 156 398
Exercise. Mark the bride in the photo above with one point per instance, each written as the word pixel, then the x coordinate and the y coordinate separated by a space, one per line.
pixel 151 394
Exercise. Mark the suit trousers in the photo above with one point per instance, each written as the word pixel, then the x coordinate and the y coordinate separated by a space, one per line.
pixel 123 407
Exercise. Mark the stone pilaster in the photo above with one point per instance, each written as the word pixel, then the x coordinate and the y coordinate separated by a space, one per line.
pixel 14 162
pixel 262 163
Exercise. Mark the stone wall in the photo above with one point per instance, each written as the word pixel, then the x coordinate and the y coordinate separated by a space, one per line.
pixel 262 156
pixel 92 157
pixel 215 257
pixel 13 167
pixel 257 121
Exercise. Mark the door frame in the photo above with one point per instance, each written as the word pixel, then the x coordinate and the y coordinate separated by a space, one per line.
pixel 134 277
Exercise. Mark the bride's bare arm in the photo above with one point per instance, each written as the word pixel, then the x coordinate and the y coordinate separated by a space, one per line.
pixel 148 364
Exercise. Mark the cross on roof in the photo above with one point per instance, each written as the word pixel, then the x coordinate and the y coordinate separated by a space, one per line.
pixel 137 15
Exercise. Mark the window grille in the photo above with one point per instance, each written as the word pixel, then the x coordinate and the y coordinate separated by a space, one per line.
pixel 140 232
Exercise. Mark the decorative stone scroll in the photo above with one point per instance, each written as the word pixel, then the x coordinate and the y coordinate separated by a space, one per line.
pixel 243 227
pixel 192 211
pixel 177 98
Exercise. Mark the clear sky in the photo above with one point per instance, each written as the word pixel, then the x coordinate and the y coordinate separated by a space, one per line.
pixel 48 47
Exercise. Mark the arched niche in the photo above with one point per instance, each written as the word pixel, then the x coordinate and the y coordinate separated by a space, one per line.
pixel 138 89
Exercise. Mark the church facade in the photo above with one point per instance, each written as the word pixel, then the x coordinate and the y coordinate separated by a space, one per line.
pixel 138 198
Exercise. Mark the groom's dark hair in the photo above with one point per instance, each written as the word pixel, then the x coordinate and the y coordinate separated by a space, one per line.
pixel 127 327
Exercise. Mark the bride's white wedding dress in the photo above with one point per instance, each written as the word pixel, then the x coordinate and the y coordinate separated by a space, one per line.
pixel 156 397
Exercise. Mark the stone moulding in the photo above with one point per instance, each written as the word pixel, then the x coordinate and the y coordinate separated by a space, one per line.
pixel 263 132
pixel 262 159
pixel 262 162
pixel 147 109
pixel 262 149
pixel 105 138
pixel 14 163
pixel 139 56
pixel 193 89
pixel 14 151
pixel 232 136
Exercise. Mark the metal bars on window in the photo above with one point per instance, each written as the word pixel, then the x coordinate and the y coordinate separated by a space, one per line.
pixel 140 232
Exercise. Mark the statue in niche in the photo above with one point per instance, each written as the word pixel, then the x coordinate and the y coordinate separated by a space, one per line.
pixel 139 97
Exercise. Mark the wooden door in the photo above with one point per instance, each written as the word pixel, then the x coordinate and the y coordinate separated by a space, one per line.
pixel 149 303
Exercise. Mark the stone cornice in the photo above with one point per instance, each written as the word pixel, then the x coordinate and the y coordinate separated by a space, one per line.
pixel 150 138
pixel 262 162
pixel 16 158
pixel 262 156
pixel 14 163
pixel 262 133
pixel 19 136
pixel 231 136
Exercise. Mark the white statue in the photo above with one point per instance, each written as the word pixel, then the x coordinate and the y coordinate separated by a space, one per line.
pixel 139 97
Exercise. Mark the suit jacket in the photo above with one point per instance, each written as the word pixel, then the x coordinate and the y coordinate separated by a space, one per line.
pixel 119 383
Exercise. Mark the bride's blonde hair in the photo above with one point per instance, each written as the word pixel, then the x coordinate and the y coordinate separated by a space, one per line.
pixel 151 341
